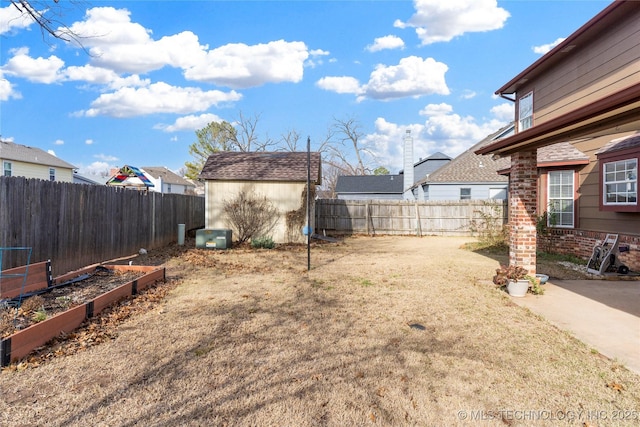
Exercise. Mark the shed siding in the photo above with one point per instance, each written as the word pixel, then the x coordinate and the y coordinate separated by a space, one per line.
pixel 369 196
pixel 287 196
pixel 590 72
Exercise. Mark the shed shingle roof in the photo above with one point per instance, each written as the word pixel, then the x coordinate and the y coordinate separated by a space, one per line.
pixel 261 166
pixel 23 153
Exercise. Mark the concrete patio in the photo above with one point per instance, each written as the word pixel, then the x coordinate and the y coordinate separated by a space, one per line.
pixel 604 314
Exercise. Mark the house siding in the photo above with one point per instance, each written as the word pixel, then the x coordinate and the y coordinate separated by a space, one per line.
pixel 591 217
pixel 590 71
pixel 32 170
pixel 452 191
pixel 287 196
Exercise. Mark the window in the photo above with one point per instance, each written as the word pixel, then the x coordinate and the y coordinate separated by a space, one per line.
pixel 620 181
pixel 52 174
pixel 6 169
pixel 465 193
pixel 561 195
pixel 168 188
pixel 525 112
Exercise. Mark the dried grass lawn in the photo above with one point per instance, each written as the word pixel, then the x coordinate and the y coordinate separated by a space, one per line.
pixel 389 331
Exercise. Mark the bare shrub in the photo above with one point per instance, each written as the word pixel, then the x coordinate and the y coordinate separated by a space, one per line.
pixel 250 215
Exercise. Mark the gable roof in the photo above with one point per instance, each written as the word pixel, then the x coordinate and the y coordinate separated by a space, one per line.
pixel 129 176
pixel 167 176
pixel 615 113
pixel 261 166
pixel 369 184
pixel 26 154
pixel 471 167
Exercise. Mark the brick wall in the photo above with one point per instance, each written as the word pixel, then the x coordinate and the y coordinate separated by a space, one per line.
pixel 581 243
pixel 522 210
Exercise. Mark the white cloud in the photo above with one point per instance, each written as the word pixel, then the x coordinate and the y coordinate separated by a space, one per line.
pixel 58 142
pixel 118 44
pixel 100 169
pixel 88 141
pixel 468 94
pixel 441 21
pixel 343 84
pixel 190 122
pixel 504 112
pixel 103 76
pixel 11 18
pixel 413 76
pixel 315 58
pixel 7 90
pixel 386 42
pixel 442 131
pixel 106 157
pixel 53 153
pixel 157 98
pixel 542 49
pixel 39 70
pixel 238 65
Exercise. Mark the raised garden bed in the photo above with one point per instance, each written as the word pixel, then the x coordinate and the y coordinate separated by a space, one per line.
pixel 67 302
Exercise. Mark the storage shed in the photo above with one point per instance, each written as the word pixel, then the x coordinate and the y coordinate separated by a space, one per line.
pixel 281 177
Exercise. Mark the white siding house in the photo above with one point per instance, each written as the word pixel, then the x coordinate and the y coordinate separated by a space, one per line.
pixel 31 162
pixel 166 181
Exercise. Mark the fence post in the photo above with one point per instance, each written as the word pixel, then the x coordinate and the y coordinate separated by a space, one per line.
pixel 418 225
pixel 366 215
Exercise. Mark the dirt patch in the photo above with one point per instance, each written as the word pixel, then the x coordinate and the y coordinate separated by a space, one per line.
pixel 381 331
pixel 37 308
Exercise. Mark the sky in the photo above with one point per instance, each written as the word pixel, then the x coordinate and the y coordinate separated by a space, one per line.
pixel 148 74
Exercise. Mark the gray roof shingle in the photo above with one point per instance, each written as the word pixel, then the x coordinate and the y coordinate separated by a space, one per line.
pixel 23 153
pixel 470 167
pixel 261 166
pixel 630 141
pixel 168 177
pixel 369 184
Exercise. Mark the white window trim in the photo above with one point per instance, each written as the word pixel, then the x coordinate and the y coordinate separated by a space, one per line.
pixel 629 180
pixel 523 120
pixel 5 169
pixel 52 174
pixel 572 198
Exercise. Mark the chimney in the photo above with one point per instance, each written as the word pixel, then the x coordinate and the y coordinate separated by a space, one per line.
pixel 408 165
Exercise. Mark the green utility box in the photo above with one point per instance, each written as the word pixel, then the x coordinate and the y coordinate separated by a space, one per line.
pixel 213 239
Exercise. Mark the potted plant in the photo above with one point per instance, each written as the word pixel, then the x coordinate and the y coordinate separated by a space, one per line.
pixel 517 281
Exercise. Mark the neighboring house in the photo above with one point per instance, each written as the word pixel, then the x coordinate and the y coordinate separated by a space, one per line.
pixel 468 176
pixel 166 181
pixel 369 187
pixel 129 177
pixel 387 187
pixel 585 91
pixel 83 179
pixel 427 166
pixel 281 177
pixel 31 162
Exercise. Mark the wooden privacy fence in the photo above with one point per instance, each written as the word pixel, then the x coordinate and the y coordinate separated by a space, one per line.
pixel 447 218
pixel 76 225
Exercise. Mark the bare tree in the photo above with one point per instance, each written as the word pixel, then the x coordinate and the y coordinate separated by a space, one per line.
pixel 246 136
pixel 348 135
pixel 47 14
